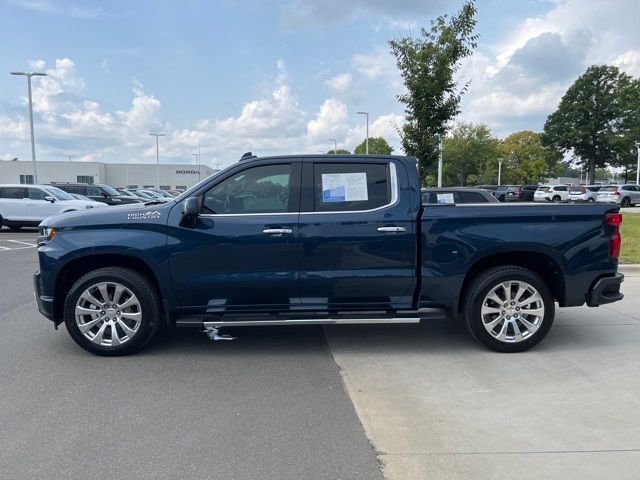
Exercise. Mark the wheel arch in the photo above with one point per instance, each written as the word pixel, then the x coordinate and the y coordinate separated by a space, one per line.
pixel 541 263
pixel 80 266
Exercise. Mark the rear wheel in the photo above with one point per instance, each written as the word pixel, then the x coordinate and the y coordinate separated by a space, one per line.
pixel 557 198
pixel 626 202
pixel 508 309
pixel 112 311
pixel 590 200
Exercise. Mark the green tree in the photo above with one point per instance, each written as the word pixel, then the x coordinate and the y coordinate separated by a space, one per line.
pixel 526 159
pixel 626 143
pixel 428 65
pixel 377 145
pixel 466 152
pixel 340 151
pixel 589 118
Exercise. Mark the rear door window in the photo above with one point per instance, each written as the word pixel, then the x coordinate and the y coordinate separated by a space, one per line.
pixel 36 194
pixel 351 186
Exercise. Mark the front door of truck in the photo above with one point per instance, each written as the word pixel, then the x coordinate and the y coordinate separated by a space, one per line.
pixel 357 237
pixel 241 251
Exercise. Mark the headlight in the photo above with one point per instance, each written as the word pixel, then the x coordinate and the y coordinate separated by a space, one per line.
pixel 46 234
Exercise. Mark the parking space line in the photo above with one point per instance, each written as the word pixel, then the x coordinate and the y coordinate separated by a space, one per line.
pixel 23 243
pixel 4 248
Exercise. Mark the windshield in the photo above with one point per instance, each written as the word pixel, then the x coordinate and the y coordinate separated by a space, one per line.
pixel 59 194
pixel 187 193
pixel 110 191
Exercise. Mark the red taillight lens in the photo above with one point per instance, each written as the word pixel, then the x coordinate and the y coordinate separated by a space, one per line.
pixel 616 192
pixel 615 220
pixel 583 190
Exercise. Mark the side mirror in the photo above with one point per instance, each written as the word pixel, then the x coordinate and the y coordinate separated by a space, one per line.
pixel 50 199
pixel 190 207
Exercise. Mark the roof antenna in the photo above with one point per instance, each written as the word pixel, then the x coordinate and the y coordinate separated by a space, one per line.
pixel 247 156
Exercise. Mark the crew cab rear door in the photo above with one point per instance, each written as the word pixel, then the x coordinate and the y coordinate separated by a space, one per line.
pixel 357 238
pixel 241 253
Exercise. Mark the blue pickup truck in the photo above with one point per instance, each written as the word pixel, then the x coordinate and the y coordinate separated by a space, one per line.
pixel 322 239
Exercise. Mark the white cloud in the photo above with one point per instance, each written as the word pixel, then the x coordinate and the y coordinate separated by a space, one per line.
pixel 521 80
pixel 340 83
pixel 330 121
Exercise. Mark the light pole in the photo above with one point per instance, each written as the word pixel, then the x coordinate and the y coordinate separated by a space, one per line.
pixel 157 157
pixel 499 170
pixel 440 164
pixel 197 156
pixel 335 145
pixel 366 145
pixel 638 165
pixel 33 141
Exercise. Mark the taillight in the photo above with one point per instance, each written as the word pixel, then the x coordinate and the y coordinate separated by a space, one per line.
pixel 615 220
pixel 583 190
pixel 615 192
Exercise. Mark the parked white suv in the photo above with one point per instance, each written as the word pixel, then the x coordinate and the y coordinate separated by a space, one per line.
pixel 28 205
pixel 551 193
pixel 625 195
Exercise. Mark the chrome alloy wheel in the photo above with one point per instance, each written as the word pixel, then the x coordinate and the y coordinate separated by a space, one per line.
pixel 512 311
pixel 108 314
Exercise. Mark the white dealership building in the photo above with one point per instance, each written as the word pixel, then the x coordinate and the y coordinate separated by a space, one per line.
pixel 133 175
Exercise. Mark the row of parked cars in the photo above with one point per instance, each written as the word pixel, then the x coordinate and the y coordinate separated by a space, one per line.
pixel 27 205
pixel 625 195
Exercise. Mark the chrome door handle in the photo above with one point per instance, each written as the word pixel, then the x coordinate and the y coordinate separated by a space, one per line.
pixel 277 231
pixel 392 229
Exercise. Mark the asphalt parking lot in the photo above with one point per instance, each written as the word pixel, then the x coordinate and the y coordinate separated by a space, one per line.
pixel 268 405
pixel 420 401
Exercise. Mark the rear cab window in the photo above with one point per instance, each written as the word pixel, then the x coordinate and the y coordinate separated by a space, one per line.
pixel 340 187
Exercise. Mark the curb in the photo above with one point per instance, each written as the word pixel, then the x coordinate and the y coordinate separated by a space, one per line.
pixel 629 268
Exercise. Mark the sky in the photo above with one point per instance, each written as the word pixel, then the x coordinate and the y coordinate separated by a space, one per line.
pixel 275 77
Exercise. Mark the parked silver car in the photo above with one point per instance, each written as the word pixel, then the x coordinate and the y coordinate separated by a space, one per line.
pixel 583 193
pixel 624 195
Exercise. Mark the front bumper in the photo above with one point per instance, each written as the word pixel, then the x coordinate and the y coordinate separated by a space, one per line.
pixel 605 290
pixel 44 303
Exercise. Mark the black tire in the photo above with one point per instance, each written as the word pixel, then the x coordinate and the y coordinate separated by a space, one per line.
pixel 557 198
pixel 141 287
pixel 475 295
pixel 626 202
pixel 590 200
pixel 1 222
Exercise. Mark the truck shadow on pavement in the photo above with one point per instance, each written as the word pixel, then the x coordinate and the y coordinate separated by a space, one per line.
pixel 448 336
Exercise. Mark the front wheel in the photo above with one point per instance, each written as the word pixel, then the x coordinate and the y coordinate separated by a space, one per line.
pixel 112 311
pixel 557 199
pixel 590 200
pixel 626 202
pixel 508 308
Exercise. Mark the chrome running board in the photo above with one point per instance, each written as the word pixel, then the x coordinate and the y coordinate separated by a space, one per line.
pixel 311 321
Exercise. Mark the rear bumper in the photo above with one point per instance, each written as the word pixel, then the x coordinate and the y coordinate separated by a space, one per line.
pixel 605 290
pixel 43 302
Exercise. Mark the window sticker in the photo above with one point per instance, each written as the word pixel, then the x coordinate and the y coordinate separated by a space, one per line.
pixel 445 198
pixel 344 187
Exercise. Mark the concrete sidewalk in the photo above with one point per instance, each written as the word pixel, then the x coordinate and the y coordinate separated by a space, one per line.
pixel 436 404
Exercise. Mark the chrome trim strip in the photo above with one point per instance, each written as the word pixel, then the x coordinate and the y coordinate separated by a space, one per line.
pixel 312 321
pixel 392 203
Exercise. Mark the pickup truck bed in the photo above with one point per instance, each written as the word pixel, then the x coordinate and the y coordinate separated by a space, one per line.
pixel 322 239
